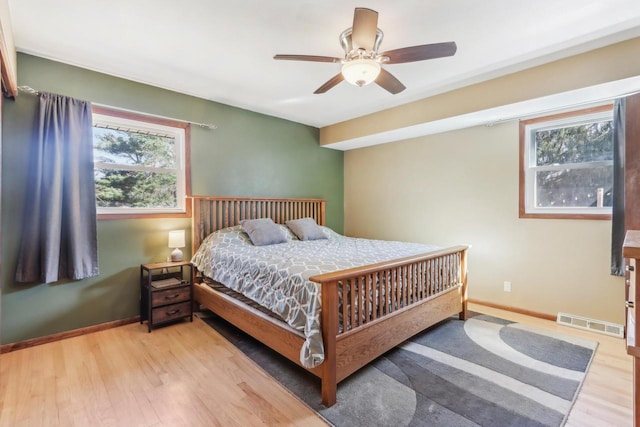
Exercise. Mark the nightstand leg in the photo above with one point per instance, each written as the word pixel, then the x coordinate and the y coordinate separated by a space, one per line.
pixel 149 304
pixel 192 272
pixel 141 295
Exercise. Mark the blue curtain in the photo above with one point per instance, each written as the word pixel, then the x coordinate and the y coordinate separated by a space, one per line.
pixel 617 218
pixel 59 239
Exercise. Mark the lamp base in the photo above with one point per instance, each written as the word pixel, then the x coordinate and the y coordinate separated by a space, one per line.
pixel 176 255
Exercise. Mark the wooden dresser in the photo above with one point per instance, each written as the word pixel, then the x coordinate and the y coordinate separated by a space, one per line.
pixel 631 251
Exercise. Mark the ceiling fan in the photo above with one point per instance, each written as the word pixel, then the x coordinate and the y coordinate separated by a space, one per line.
pixel 361 64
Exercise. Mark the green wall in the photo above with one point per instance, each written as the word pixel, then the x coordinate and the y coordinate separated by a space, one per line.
pixel 250 154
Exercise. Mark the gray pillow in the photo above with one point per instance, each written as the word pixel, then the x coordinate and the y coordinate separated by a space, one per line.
pixel 263 231
pixel 306 229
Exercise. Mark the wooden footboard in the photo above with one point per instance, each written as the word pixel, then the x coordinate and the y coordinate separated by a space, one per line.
pixel 383 305
pixel 366 311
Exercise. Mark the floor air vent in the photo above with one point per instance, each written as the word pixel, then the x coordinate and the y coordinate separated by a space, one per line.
pixel 591 324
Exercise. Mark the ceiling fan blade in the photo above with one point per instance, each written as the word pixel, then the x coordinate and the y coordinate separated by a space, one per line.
pixel 420 53
pixel 310 58
pixel 387 81
pixel 365 26
pixel 330 83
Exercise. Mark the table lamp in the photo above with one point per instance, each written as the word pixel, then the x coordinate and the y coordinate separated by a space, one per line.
pixel 176 241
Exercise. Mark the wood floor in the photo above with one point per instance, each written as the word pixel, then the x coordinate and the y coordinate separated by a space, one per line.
pixel 187 375
pixel 180 375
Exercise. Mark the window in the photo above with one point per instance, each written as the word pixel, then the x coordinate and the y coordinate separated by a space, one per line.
pixel 566 165
pixel 141 165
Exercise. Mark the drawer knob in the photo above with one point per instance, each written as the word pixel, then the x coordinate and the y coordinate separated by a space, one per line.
pixel 171 296
pixel 172 312
pixel 630 268
pixel 629 304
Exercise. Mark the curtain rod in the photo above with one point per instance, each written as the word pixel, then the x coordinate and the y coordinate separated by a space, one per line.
pixel 209 126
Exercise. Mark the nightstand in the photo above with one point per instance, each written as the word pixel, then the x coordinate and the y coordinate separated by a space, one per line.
pixel 166 292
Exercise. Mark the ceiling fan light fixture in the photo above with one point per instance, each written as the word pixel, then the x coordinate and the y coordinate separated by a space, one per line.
pixel 360 71
pixel 361 64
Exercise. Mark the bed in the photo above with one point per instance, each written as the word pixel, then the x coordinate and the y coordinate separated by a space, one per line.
pixel 365 310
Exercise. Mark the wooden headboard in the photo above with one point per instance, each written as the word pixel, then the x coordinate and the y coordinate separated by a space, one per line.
pixel 211 213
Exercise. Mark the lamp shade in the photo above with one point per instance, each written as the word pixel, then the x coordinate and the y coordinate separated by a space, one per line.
pixel 360 72
pixel 176 239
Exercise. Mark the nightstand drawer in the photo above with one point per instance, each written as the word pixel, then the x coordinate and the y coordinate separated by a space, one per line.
pixel 170 312
pixel 170 296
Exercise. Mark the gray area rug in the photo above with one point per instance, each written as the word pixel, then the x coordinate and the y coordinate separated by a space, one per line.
pixel 482 372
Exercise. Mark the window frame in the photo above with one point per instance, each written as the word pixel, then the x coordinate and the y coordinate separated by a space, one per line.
pixel 184 165
pixel 527 127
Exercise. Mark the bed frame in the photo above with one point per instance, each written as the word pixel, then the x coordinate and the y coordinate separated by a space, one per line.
pixel 421 291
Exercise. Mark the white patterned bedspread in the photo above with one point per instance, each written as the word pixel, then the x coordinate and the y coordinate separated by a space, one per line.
pixel 277 276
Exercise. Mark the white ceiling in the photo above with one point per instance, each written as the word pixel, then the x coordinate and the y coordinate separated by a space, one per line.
pixel 223 50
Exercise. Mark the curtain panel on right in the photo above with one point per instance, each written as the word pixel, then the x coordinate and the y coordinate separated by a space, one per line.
pixel 617 210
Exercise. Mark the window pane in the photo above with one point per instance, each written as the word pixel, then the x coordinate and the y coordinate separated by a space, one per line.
pixel 132 189
pixel 574 187
pixel 132 148
pixel 574 144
